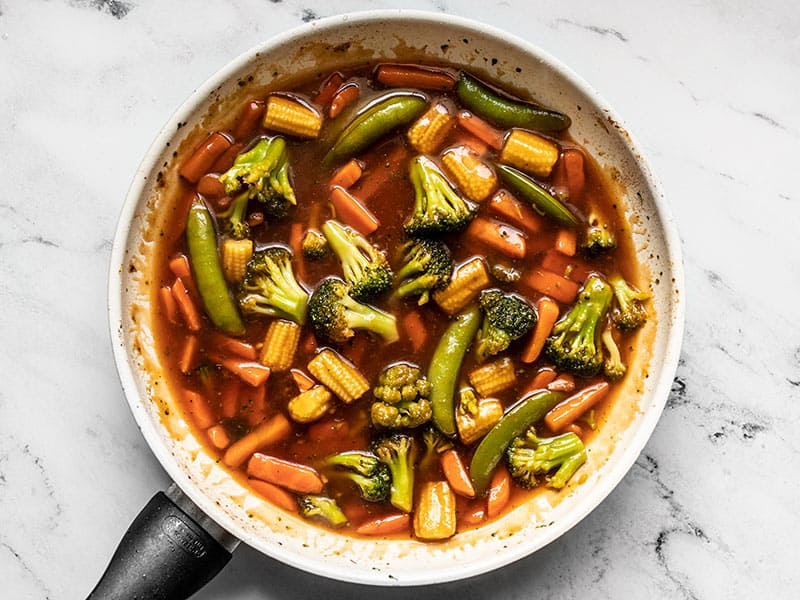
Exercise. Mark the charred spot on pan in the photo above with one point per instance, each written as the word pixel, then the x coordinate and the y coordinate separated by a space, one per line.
pixel 444 47
pixel 343 47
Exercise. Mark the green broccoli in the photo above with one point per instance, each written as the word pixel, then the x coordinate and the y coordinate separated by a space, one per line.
pixel 401 397
pixel 369 474
pixel 335 314
pixel 574 344
pixel 315 246
pixel 435 444
pixel 232 219
pixel 321 508
pixel 365 267
pixel 630 312
pixel 598 237
pixel 428 266
pixel 269 286
pixel 613 367
pixel 264 170
pixel 506 317
pixel 438 208
pixel 529 456
pixel 398 452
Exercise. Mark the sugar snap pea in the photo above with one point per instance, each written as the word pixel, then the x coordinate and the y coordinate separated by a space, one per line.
pixel 385 113
pixel 506 112
pixel 542 201
pixel 514 422
pixel 201 241
pixel 446 364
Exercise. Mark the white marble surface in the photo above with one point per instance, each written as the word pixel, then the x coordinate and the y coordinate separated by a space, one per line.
pixel 711 89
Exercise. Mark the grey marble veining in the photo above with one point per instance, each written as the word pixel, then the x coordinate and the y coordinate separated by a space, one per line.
pixel 710 89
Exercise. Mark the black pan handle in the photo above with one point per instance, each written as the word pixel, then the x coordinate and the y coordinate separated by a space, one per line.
pixel 169 552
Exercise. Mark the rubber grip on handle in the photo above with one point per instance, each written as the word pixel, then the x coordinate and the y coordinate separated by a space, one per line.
pixel 164 555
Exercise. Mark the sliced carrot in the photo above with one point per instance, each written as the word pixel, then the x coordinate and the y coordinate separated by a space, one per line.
pixel 290 475
pixel 248 119
pixel 179 265
pixel 574 168
pixel 230 397
pixel 456 473
pixel 481 129
pixel 460 137
pixel 296 233
pixel 303 381
pixel 541 380
pixel 168 303
pixel 412 76
pixel 372 183
pixel 505 205
pixel 186 306
pixel 570 410
pixel 499 492
pixel 190 353
pixel 563 383
pixel 225 160
pixel 230 345
pixel 219 437
pixel 501 237
pixel 250 372
pixel 199 409
pixel 266 434
pixel 345 96
pixel 566 242
pixel 351 211
pixel 415 329
pixel 570 267
pixel 346 175
pixel 385 525
pixel 547 312
pixel 206 154
pixel 474 514
pixel 551 284
pixel 278 496
pixel 210 186
pixel 328 88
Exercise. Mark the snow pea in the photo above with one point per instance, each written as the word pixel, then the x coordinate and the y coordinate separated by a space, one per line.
pixel 514 422
pixel 446 365
pixel 542 201
pixel 201 240
pixel 506 112
pixel 385 113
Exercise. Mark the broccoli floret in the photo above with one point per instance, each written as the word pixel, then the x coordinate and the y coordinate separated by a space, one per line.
pixel 505 273
pixel 365 267
pixel 270 288
pixel 335 314
pixel 613 367
pixel 506 317
pixel 428 266
pixel 598 237
pixel 575 342
pixel 321 508
pixel 529 456
pixel 370 475
pixel 435 444
pixel 630 312
pixel 232 220
pixel 401 397
pixel 438 208
pixel 398 452
pixel 264 171
pixel 315 246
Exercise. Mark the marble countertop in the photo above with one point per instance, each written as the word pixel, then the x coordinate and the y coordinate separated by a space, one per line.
pixel 711 89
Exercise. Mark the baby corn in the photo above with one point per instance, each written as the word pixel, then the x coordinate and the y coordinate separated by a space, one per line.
pixel 289 116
